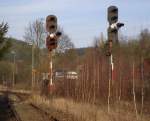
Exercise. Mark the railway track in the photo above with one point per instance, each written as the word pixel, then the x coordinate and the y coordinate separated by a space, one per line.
pixel 31 112
pixel 7 111
pixel 44 114
pixel 15 114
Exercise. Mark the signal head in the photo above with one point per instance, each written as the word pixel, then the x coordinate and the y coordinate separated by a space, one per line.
pixel 51 23
pixel 112 14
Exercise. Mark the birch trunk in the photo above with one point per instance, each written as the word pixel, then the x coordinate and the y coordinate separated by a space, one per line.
pixel 133 90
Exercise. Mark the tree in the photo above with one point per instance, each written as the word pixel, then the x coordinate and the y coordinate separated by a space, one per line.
pixel 99 41
pixel 3 30
pixel 64 42
pixel 35 33
pixel 65 53
pixel 5 71
pixel 4 42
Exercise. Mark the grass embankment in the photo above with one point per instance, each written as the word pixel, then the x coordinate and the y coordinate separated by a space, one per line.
pixel 88 112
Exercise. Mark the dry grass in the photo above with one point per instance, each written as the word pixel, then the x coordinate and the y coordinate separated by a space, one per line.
pixel 88 112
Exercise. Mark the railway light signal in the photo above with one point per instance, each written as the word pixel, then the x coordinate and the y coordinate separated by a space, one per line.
pixel 53 34
pixel 114 25
pixel 51 24
pixel 112 14
pixel 112 33
pixel 51 42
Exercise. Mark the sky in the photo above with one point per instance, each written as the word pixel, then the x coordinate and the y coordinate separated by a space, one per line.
pixel 82 20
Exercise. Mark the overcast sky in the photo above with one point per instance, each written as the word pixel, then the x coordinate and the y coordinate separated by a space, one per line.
pixel 82 20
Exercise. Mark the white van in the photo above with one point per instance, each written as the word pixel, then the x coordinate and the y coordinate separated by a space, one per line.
pixel 72 75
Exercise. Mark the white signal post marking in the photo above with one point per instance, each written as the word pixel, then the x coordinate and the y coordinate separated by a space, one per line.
pixel 51 67
pixel 112 67
pixel 112 62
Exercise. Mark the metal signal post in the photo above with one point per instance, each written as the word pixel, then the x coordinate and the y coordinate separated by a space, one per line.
pixel 113 28
pixel 51 41
pixel 112 33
